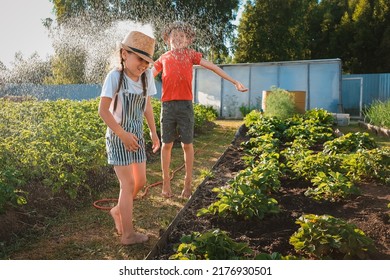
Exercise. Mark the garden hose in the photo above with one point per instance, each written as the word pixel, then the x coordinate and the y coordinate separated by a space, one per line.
pixel 97 203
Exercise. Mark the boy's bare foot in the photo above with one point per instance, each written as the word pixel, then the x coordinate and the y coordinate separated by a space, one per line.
pixel 134 239
pixel 117 219
pixel 166 190
pixel 186 193
pixel 187 190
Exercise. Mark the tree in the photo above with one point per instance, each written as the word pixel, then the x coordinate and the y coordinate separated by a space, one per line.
pixel 32 70
pixel 371 44
pixel 328 29
pixel 211 18
pixel 357 31
pixel 68 66
pixel 273 31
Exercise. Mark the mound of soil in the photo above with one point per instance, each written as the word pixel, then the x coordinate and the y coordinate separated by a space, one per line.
pixel 367 211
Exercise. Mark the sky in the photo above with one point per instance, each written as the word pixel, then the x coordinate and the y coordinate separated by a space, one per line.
pixel 21 28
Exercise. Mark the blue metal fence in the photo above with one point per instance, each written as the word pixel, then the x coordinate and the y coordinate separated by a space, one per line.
pixel 319 79
pixel 54 92
pixel 360 90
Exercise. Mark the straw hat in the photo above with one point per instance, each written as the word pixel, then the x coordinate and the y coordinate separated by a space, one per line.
pixel 181 26
pixel 140 44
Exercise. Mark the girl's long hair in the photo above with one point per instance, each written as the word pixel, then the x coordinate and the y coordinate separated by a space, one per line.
pixel 121 77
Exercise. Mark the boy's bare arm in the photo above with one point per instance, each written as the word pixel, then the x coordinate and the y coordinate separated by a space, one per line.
pixel 154 71
pixel 217 70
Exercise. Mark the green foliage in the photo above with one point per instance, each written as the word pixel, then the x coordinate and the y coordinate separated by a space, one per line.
pixel 378 113
pixel 275 256
pixel 9 183
pixel 373 164
pixel 272 31
pixel 245 110
pixel 332 186
pixel 280 103
pixel 333 174
pixel 328 237
pixel 252 117
pixel 68 66
pixel 319 117
pixel 296 30
pixel 59 144
pixel 259 125
pixel 249 193
pixel 203 115
pixel 242 201
pixel 311 131
pixel 350 143
pixel 334 171
pixel 211 245
pixel 264 145
pixel 32 69
pixel 315 126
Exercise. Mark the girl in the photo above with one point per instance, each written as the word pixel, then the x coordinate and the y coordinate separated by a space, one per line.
pixel 125 98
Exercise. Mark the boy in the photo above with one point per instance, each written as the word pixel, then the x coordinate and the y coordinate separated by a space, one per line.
pixel 177 108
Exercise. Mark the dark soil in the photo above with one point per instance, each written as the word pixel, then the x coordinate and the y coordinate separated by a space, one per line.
pixel 367 211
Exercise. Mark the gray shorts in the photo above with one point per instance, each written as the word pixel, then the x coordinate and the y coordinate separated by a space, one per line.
pixel 177 121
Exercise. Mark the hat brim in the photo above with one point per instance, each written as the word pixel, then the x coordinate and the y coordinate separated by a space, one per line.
pixel 142 55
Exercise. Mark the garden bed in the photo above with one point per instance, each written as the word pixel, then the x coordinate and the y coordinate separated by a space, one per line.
pixel 367 211
pixel 376 129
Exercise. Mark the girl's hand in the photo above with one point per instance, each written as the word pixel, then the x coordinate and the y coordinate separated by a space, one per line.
pixel 155 141
pixel 240 87
pixel 130 141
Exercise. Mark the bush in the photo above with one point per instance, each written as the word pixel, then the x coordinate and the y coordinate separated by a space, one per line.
pixel 202 116
pixel 280 103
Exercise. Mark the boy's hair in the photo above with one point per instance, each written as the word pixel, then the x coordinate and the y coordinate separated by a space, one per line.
pixel 181 26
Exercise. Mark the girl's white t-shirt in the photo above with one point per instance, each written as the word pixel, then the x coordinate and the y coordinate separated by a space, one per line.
pixel 111 83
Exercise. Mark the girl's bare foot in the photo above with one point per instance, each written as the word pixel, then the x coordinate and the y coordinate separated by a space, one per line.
pixel 117 219
pixel 134 239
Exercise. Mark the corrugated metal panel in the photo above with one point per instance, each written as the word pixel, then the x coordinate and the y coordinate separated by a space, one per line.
pixel 320 79
pixel 360 90
pixel 384 87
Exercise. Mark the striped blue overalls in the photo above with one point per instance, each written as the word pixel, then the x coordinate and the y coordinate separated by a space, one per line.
pixel 132 121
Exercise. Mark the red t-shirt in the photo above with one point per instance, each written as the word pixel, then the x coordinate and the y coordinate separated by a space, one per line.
pixel 176 66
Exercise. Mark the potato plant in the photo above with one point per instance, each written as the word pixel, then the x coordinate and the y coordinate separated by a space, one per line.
pixel 324 237
pixel 58 144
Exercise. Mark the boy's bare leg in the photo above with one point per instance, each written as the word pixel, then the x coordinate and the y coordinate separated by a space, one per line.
pixel 189 163
pixel 166 150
